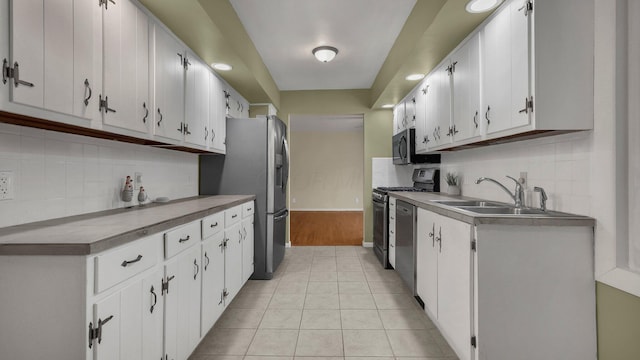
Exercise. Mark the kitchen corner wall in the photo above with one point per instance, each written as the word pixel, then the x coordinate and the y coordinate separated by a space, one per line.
pixel 560 164
pixel 57 175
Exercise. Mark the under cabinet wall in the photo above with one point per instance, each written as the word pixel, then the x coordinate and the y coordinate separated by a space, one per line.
pixel 59 174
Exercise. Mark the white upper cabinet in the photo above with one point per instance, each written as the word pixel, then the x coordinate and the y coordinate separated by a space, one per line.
pixel 217 115
pixel 51 58
pixel 465 65
pixel 422 138
pixel 197 102
pixel 438 112
pixel 399 119
pixel 238 107
pixel 410 111
pixel 126 68
pixel 505 59
pixel 169 87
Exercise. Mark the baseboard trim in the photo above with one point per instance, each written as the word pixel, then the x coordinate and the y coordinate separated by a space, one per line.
pixel 338 210
pixel 367 244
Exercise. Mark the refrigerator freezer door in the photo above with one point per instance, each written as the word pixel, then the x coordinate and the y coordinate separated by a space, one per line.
pixel 276 237
pixel 278 165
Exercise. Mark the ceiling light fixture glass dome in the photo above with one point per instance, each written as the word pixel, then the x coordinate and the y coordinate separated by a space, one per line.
pixel 221 66
pixel 480 6
pixel 387 106
pixel 325 53
pixel 415 77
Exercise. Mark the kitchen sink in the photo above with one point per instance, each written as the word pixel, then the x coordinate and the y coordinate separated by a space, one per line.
pixel 511 211
pixel 471 203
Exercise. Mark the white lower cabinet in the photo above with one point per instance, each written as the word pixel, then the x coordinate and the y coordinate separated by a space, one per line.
pixel 150 299
pixel 495 291
pixel 392 232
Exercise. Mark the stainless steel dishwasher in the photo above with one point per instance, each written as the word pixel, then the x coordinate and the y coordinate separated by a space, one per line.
pixel 406 243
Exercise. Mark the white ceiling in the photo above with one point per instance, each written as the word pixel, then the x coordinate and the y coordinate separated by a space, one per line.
pixel 285 31
pixel 323 123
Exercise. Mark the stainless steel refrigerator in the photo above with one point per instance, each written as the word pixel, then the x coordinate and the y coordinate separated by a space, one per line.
pixel 256 162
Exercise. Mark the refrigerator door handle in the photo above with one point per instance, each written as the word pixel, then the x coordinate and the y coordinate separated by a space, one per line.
pixel 285 171
pixel 280 217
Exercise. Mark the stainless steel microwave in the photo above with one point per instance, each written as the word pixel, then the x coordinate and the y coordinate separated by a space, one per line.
pixel 404 150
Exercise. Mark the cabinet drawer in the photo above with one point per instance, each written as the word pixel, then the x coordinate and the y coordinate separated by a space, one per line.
pixel 232 216
pixel 212 224
pixel 181 238
pixel 121 264
pixel 248 209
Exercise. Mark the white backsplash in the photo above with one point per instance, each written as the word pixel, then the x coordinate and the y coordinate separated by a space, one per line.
pixel 60 175
pixel 384 173
pixel 560 164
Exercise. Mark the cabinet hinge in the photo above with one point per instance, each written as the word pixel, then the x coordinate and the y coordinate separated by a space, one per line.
pixel 530 104
pixel 103 103
pixel 96 333
pixel 7 71
pixel 474 342
pixel 105 3
pixel 186 62
pixel 527 7
pixel 473 245
pixel 165 284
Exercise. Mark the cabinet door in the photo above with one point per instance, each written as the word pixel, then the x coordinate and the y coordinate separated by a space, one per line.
pixel 52 45
pixel 131 322
pixel 441 105
pixel 454 283
pixel 169 85
pixel 126 67
pixel 505 63
pixel 197 102
pixel 217 115
pixel 188 286
pixel 430 111
pixel 212 281
pixel 466 90
pixel 420 122
pixel 233 261
pixel 87 27
pixel 427 260
pixel 107 310
pixel 152 315
pixel 247 248
pixel 170 297
pixel 398 118
pixel 410 111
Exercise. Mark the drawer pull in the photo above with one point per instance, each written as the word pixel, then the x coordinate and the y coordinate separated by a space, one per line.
pixel 214 225
pixel 234 216
pixel 128 262
pixel 155 299
pixel 248 209
pixel 185 239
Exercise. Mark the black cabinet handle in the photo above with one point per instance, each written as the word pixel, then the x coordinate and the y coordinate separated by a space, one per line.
pixel 234 216
pixel 88 87
pixel 128 262
pixel 185 239
pixel 159 113
pixel 146 112
pixel 195 263
pixel 207 264
pixel 155 299
pixel 214 225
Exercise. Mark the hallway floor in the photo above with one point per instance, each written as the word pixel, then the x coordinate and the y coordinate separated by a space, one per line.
pixel 329 302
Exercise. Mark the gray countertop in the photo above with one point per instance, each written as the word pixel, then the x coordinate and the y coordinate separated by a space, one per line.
pixel 425 200
pixel 92 233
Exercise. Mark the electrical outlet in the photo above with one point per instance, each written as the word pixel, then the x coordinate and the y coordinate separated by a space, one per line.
pixel 523 178
pixel 6 185
pixel 137 180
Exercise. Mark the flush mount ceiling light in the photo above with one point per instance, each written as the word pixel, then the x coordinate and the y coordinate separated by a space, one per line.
pixel 479 6
pixel 221 66
pixel 387 106
pixel 325 53
pixel 415 77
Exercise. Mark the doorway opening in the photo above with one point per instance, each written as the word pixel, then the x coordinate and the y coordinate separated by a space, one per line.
pixel 326 180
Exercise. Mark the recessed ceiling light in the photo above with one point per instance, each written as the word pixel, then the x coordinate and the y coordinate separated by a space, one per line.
pixel 387 106
pixel 324 53
pixel 479 6
pixel 414 77
pixel 221 66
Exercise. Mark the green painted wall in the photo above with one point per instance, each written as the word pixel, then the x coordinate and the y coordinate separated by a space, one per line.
pixel 618 324
pixel 377 128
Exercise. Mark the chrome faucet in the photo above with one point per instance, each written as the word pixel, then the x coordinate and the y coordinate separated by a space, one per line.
pixel 517 196
pixel 543 197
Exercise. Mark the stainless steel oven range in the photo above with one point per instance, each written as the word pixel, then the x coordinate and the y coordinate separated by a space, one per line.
pixel 423 180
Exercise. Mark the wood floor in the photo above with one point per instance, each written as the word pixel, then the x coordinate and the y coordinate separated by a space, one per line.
pixel 331 228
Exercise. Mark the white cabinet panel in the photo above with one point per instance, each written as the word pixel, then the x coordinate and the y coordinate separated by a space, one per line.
pixel 152 315
pixel 427 261
pixel 169 85
pixel 439 106
pixel 27 49
pixel 170 297
pixel 217 115
pixel 58 56
pixel 212 281
pixel 197 100
pixel 247 248
pixel 520 79
pixel 466 119
pixel 420 122
pixel 131 322
pixel 87 23
pixel 126 67
pixel 233 261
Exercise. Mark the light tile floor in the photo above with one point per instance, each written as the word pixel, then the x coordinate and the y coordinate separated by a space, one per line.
pixel 325 303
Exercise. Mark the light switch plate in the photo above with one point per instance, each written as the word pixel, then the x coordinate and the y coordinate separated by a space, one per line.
pixel 6 185
pixel 137 180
